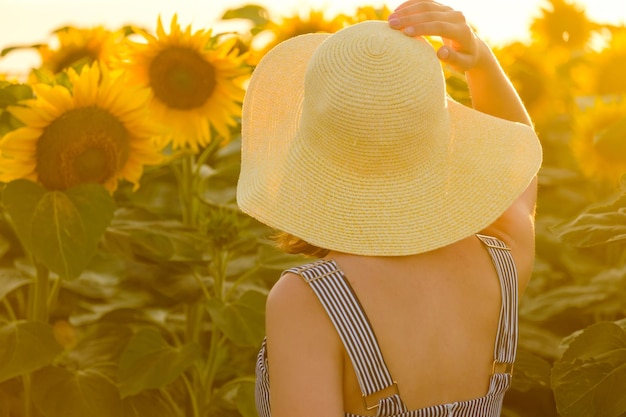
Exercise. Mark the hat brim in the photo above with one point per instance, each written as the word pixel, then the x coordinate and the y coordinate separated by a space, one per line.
pixel 490 163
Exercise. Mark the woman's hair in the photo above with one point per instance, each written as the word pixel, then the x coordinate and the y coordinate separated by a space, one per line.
pixel 294 245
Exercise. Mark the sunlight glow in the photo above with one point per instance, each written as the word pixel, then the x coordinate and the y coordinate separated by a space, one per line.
pixel 498 21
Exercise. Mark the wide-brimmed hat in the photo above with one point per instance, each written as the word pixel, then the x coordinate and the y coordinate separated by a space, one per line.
pixel 350 142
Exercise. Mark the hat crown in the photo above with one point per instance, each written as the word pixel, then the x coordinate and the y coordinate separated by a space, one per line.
pixel 371 92
pixel 350 143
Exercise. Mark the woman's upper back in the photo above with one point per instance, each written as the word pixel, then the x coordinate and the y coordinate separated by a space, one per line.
pixel 435 317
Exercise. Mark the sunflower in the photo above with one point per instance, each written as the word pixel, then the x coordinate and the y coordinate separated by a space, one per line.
pixel 78 46
pixel 562 24
pixel 535 76
pixel 291 26
pixel 97 133
pixel 371 13
pixel 598 142
pixel 196 80
pixel 606 67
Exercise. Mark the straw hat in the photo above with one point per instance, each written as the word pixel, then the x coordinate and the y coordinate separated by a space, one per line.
pixel 351 144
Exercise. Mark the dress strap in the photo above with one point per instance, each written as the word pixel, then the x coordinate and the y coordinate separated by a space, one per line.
pixel 342 306
pixel 506 338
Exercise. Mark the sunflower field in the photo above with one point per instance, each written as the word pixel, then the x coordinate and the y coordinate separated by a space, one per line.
pixel 131 285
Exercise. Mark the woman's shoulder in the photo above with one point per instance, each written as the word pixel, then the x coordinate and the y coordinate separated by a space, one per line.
pixel 292 294
pixel 290 288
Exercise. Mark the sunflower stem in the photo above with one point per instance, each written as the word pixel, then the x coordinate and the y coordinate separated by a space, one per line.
pixel 192 397
pixel 28 404
pixel 194 321
pixel 39 294
pixel 54 293
pixel 205 155
pixel 185 190
pixel 211 363
pixel 218 271
pixel 194 316
pixel 9 309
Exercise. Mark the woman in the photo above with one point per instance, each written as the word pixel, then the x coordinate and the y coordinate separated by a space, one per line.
pixel 419 209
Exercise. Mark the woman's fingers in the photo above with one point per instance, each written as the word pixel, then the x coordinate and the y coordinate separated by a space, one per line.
pixel 421 5
pixel 429 18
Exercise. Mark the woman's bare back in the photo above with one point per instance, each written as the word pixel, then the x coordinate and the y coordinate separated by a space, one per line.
pixel 435 316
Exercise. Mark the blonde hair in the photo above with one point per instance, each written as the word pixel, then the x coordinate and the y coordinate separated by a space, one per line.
pixel 294 245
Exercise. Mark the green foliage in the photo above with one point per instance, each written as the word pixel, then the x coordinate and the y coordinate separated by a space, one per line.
pixel 149 362
pixel 257 14
pixel 589 378
pixel 241 320
pixel 64 392
pixel 597 226
pixel 150 302
pixel 11 94
pixel 26 346
pixel 112 305
pixel 59 228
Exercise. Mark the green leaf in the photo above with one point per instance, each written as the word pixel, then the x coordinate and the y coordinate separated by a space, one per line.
pixel 10 280
pixel 257 14
pixel 562 300
pixel 59 392
pixel 599 226
pixel 60 228
pixel 148 403
pixel 245 399
pixel 9 49
pixel 13 93
pixel 100 343
pixel 20 198
pixel 26 346
pixel 242 321
pixel 150 362
pixel 531 372
pixel 133 232
pixel 590 379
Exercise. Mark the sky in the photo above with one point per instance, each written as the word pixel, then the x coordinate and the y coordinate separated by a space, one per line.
pixel 26 22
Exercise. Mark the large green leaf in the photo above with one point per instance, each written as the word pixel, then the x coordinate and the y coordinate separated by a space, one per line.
pixel 590 379
pixel 10 280
pixel 60 392
pixel 20 198
pixel 26 346
pixel 60 228
pixel 136 233
pixel 598 226
pixel 603 295
pixel 152 403
pixel 245 399
pixel 100 345
pixel 531 371
pixel 149 362
pixel 242 321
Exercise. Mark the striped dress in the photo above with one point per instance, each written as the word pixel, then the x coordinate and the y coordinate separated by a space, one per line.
pixel 377 386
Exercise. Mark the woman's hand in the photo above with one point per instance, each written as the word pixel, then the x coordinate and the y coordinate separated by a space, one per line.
pixel 490 88
pixel 491 92
pixel 462 48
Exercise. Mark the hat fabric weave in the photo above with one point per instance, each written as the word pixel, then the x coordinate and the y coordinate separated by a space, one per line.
pixel 350 143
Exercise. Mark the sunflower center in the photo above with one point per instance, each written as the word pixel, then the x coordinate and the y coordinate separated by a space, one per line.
pixel 83 145
pixel 181 78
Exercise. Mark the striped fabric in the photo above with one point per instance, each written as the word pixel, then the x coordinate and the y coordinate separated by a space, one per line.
pixel 348 317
